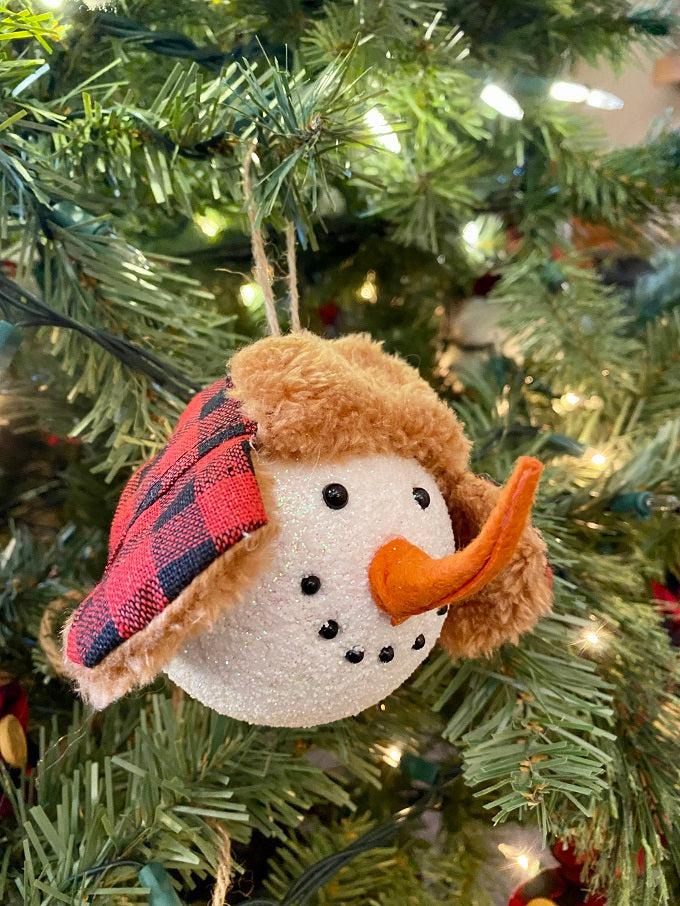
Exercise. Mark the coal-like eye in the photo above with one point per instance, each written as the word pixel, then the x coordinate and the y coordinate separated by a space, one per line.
pixel 421 497
pixel 335 496
pixel 310 585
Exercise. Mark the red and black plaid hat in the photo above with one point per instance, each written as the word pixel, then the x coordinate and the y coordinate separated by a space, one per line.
pixel 191 503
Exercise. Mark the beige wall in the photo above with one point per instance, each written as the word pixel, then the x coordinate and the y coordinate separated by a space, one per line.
pixel 644 101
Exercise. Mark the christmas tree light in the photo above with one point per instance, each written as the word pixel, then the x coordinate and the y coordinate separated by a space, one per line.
pixel 382 130
pixel 502 102
pixel 573 92
pixel 604 100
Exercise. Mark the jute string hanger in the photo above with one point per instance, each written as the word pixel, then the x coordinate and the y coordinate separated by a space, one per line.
pixel 262 267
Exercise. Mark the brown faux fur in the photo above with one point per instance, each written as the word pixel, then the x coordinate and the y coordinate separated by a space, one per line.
pixel 510 604
pixel 324 399
pixel 316 399
pixel 220 586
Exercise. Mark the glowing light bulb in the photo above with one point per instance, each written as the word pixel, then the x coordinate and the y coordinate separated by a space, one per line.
pixel 471 233
pixel 604 100
pixel 572 92
pixel 593 638
pixel 502 102
pixel 368 291
pixel 599 460
pixel 524 860
pixel 568 402
pixel 392 756
pixel 210 223
pixel 250 294
pixel 379 126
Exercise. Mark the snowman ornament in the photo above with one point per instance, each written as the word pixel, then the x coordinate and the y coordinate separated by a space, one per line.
pixel 308 534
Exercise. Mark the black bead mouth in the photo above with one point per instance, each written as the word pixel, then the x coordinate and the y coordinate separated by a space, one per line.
pixel 329 630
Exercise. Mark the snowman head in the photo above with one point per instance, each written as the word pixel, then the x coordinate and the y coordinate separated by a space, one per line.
pixel 309 532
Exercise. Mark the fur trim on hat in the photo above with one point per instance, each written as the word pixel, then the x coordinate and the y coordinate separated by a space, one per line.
pixel 219 587
pixel 511 604
pixel 325 399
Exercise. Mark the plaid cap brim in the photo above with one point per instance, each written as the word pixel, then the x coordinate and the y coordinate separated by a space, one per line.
pixel 190 504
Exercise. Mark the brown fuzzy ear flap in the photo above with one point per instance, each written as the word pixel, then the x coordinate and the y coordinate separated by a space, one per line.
pixel 515 600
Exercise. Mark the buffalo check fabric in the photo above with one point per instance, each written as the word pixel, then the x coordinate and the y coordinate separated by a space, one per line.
pixel 187 506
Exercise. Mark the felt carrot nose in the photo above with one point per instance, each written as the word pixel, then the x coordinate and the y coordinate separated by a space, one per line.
pixel 406 581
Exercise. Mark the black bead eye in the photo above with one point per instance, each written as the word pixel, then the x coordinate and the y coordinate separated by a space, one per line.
pixel 442 611
pixel 310 585
pixel 355 655
pixel 419 643
pixel 421 497
pixel 335 496
pixel 386 654
pixel 329 630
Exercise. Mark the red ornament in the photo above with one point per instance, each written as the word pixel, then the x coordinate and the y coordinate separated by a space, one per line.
pixel 53 440
pixel 13 700
pixel 329 312
pixel 571 865
pixel 669 607
pixel 561 885
pixel 484 284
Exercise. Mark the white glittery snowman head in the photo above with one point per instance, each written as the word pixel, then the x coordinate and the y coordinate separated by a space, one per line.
pixel 308 644
pixel 309 533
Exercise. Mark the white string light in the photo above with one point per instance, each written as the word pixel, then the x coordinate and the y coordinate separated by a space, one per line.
pixel 598 459
pixel 471 233
pixel 250 294
pixel 593 639
pixel 207 225
pixel 571 92
pixel 368 291
pixel 570 400
pixel 392 756
pixel 502 102
pixel 604 100
pixel 525 861
pixel 576 93
pixel 379 126
pixel 210 222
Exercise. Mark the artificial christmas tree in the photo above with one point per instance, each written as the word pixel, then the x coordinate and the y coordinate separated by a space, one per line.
pixel 177 179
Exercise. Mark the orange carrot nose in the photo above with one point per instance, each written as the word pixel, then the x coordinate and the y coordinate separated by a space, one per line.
pixel 406 581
